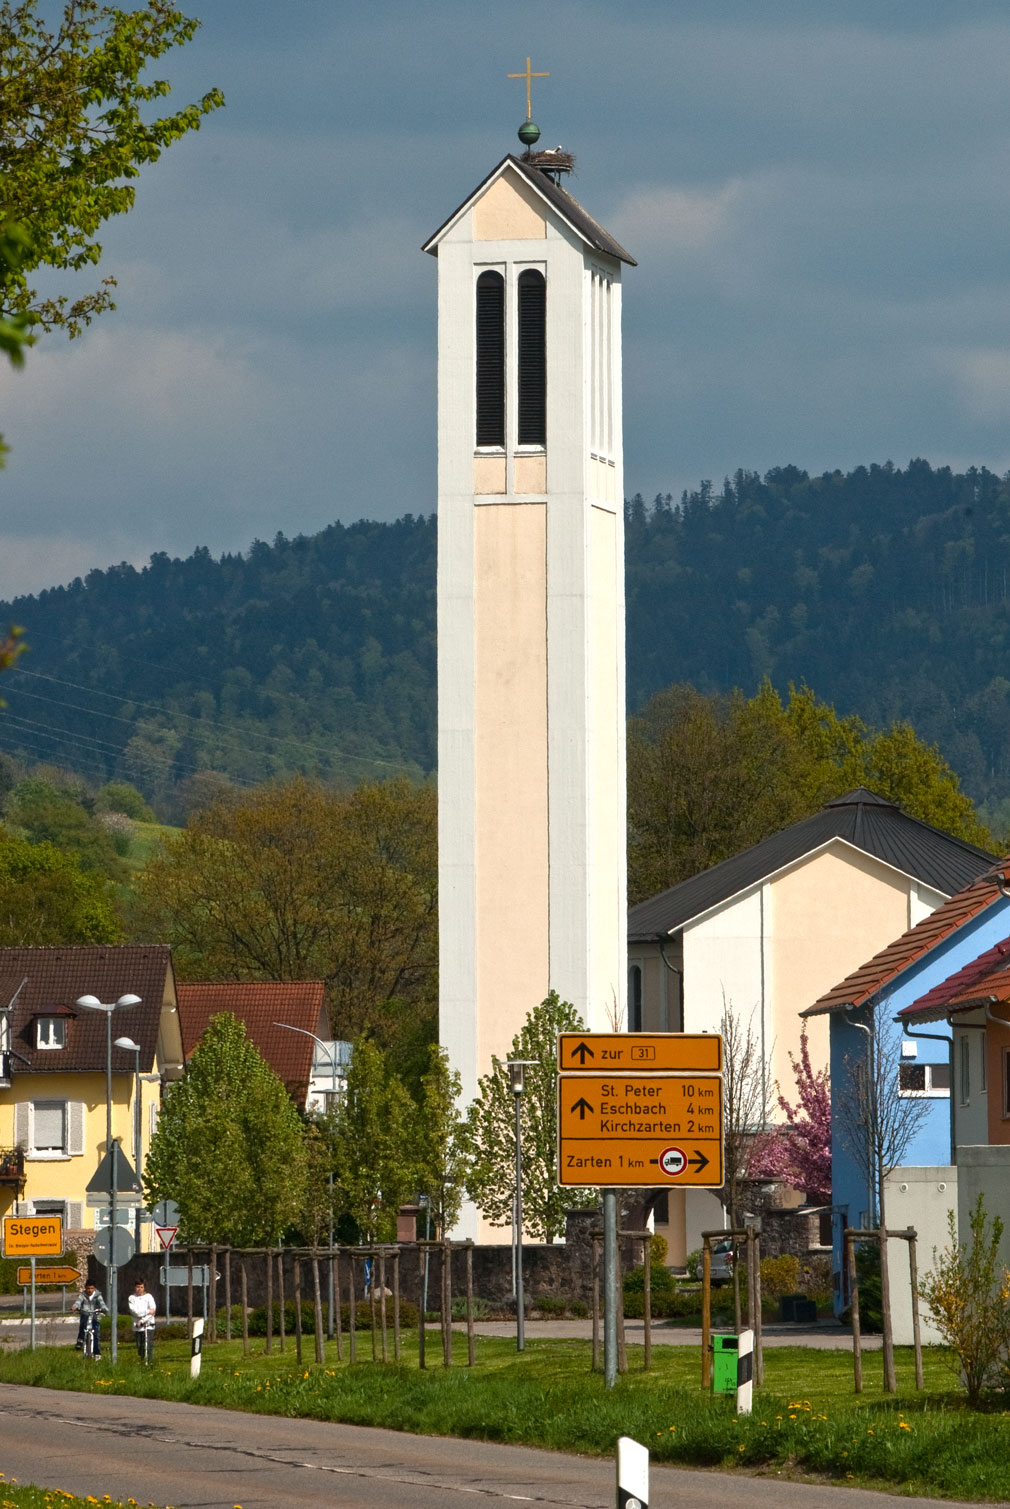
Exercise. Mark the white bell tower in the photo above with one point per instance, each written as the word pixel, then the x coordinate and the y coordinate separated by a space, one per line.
pixel 531 707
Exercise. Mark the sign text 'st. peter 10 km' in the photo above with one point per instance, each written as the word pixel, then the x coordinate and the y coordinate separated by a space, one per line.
pixel 649 1112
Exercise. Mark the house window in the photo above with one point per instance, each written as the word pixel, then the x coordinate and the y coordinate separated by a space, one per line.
pixel 635 998
pixel 965 1070
pixel 924 1080
pixel 532 386
pixel 49 1127
pixel 51 1032
pixel 491 359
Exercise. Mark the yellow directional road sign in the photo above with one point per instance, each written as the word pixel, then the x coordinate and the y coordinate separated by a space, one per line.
pixel 625 1129
pixel 48 1275
pixel 640 1052
pixel 33 1236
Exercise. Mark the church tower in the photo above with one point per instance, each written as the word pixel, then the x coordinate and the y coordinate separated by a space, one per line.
pixel 531 707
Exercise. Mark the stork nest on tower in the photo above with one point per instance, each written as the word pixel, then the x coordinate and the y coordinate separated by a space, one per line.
pixel 554 160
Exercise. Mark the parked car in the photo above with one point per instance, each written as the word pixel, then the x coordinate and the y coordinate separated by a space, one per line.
pixel 723 1258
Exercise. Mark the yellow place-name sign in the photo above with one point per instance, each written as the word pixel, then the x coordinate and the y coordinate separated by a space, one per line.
pixel 33 1236
pixel 639 1052
pixel 628 1129
pixel 66 1275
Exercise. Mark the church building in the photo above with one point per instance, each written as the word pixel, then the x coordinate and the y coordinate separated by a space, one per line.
pixel 531 703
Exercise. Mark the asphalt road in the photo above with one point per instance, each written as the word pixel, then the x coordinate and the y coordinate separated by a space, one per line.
pixel 198 1458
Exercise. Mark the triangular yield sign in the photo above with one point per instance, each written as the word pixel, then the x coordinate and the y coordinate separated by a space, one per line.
pixel 126 1179
pixel 167 1235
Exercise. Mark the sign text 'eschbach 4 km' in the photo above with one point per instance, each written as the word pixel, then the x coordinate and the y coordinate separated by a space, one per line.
pixel 638 1123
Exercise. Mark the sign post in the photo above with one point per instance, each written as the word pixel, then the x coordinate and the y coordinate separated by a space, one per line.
pixel 33 1237
pixel 637 1109
pixel 115 1178
pixel 166 1218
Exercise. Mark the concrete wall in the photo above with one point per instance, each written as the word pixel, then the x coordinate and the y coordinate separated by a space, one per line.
pixel 920 1198
pixel 984 1171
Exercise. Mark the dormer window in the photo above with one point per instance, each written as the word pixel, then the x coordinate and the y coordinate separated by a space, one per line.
pixel 51 1032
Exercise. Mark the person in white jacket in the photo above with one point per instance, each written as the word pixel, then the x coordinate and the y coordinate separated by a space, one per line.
pixel 142 1308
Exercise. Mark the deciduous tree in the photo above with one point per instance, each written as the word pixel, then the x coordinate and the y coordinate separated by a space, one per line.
pixel 441 1142
pixel 709 776
pixel 295 881
pixel 75 131
pixel 47 899
pixel 799 1150
pixel 491 1137
pixel 374 1144
pixel 229 1145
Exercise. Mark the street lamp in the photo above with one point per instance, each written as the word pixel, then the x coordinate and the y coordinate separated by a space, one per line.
pixel 92 1003
pixel 517 1068
pixel 331 1055
pixel 129 1046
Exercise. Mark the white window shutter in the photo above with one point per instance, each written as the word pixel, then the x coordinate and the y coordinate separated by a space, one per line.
pixel 154 1116
pixel 21 1127
pixel 75 1214
pixel 75 1127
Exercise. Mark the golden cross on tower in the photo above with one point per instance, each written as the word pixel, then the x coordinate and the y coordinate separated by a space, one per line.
pixel 529 76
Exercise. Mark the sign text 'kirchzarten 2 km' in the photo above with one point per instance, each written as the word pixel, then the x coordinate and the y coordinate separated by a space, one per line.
pixel 628 1129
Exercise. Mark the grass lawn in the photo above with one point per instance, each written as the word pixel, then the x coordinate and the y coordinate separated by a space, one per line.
pixel 15 1495
pixel 806 1419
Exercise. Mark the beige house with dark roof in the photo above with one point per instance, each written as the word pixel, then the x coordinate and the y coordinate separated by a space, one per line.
pixel 53 1058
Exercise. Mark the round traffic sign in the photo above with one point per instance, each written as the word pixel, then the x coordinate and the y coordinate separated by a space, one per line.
pixel 673 1161
pixel 114 1244
pixel 166 1213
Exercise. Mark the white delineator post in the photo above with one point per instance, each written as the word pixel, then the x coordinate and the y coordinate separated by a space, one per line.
pixel 745 1373
pixel 196 1349
pixel 632 1474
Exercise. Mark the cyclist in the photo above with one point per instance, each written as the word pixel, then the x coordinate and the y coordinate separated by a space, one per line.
pixel 91 1306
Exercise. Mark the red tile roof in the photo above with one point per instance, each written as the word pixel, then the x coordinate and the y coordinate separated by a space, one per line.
pixel 260 1004
pixel 56 977
pixel 897 956
pixel 967 983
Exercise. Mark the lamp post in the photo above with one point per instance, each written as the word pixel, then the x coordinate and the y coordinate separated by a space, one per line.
pixel 129 1046
pixel 92 1003
pixel 331 1055
pixel 517 1068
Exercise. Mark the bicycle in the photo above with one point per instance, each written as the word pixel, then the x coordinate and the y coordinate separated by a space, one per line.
pixel 92 1340
pixel 145 1331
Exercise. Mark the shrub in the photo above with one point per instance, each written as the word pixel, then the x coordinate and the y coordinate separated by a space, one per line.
pixel 481 1307
pixel 779 1275
pixel 579 1309
pixel 663 1292
pixel 362 1317
pixel 968 1294
pixel 815 1279
pixel 551 1304
pixel 871 1305
pixel 660 1248
pixel 694 1264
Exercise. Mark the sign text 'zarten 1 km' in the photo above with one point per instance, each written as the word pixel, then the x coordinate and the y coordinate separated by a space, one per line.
pixel 638 1123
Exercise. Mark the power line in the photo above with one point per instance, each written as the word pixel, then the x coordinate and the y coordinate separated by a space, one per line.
pixel 239 734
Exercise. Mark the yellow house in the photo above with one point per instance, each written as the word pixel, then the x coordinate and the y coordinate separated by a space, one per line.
pixel 53 1070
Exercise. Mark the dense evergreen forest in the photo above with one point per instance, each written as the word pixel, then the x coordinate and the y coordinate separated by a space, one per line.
pixel 886 590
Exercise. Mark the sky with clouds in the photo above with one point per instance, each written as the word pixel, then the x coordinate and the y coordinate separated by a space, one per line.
pixel 818 195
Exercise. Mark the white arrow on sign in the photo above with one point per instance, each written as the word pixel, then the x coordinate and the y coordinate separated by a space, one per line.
pixel 167 1235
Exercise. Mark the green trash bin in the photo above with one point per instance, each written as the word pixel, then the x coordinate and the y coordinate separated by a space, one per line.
pixel 724 1360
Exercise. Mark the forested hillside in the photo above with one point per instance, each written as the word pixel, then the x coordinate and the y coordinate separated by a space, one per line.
pixel 886 590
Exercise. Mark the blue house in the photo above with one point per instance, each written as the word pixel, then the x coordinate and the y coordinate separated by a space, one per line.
pixel 904 981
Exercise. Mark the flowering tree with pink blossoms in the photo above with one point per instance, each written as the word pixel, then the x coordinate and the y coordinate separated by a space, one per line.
pixel 799 1150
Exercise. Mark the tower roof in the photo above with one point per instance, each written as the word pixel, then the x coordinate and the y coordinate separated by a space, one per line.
pixel 564 205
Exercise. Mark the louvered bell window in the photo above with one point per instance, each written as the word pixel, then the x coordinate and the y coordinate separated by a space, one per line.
pixel 491 359
pixel 532 415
